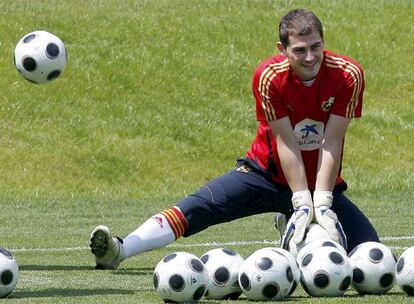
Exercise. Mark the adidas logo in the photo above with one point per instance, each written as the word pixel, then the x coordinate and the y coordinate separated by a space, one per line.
pixel 158 219
pixel 193 280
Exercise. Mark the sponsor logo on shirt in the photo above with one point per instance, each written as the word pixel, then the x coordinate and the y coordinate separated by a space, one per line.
pixel 309 134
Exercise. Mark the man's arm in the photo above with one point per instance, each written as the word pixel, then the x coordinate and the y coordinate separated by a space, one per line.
pixel 330 152
pixel 294 171
pixel 328 166
pixel 289 154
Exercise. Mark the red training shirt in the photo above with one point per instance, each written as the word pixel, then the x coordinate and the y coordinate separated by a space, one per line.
pixel 338 89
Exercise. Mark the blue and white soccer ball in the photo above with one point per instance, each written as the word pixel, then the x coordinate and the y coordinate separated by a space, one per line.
pixel 405 271
pixel 9 273
pixel 40 57
pixel 223 270
pixel 180 277
pixel 266 275
pixel 373 267
pixel 326 270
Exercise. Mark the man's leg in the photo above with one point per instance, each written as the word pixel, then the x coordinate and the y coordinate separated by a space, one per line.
pixel 158 231
pixel 237 194
pixel 355 224
pixel 281 223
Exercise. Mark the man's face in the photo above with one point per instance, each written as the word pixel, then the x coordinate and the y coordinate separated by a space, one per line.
pixel 305 54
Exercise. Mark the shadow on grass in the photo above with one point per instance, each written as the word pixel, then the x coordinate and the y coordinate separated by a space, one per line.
pixel 295 298
pixel 126 271
pixel 68 292
pixel 53 267
pixel 134 271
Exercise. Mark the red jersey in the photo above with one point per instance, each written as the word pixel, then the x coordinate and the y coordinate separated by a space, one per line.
pixel 338 89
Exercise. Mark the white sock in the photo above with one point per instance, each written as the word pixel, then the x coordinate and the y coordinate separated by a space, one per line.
pixel 154 233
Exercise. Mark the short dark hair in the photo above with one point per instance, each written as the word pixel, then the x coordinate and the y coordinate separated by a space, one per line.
pixel 298 22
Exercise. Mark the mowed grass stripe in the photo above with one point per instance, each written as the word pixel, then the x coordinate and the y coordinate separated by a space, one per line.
pixel 211 244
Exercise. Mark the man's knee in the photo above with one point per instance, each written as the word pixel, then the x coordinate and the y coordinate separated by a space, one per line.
pixel 356 225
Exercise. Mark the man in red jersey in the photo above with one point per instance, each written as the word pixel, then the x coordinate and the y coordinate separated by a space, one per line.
pixel 305 97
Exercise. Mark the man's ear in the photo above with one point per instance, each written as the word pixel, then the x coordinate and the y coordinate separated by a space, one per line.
pixel 280 47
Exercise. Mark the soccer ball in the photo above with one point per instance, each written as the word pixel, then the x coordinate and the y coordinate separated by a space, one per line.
pixel 180 277
pixel 223 269
pixel 266 275
pixel 405 271
pixel 313 232
pixel 9 273
pixel 317 243
pixel 293 264
pixel 40 57
pixel 373 267
pixel 326 271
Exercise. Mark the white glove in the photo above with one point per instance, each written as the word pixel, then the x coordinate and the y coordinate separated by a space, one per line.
pixel 303 216
pixel 324 216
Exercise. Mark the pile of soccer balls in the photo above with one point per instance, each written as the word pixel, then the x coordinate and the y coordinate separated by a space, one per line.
pixel 322 267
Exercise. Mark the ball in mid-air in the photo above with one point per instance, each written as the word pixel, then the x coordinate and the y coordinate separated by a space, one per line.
pixel 40 57
pixel 180 277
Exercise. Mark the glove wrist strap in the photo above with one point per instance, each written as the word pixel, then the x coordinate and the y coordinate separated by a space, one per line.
pixel 322 198
pixel 302 198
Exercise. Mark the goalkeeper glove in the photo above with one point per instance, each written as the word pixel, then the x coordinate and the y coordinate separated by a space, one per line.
pixel 326 217
pixel 303 214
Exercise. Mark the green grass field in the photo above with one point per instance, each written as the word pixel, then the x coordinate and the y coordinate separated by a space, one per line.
pixel 155 101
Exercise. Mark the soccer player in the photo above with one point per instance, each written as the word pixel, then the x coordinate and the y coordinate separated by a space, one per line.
pixel 306 97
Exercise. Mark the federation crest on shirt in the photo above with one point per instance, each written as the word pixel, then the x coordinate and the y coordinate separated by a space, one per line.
pixel 327 104
pixel 309 134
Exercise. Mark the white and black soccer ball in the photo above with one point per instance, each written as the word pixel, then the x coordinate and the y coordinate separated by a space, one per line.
pixel 313 232
pixel 180 277
pixel 326 271
pixel 317 243
pixel 9 273
pixel 404 271
pixel 293 264
pixel 266 275
pixel 223 270
pixel 373 267
pixel 40 57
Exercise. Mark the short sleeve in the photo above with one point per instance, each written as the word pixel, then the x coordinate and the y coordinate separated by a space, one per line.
pixel 269 103
pixel 348 102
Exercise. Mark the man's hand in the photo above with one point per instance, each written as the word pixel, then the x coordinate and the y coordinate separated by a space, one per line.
pixel 303 216
pixel 324 216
